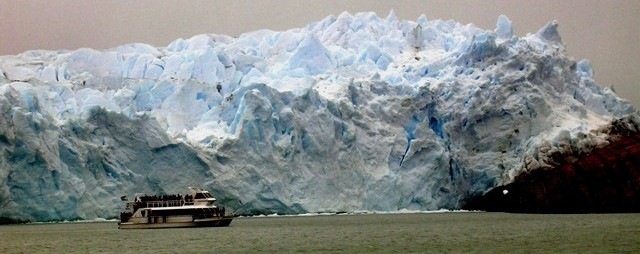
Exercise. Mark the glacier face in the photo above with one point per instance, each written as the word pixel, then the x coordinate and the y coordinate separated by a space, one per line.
pixel 354 112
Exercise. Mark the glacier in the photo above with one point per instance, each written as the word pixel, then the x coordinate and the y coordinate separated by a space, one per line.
pixel 355 112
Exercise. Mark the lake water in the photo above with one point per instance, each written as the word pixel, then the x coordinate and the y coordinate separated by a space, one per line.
pixel 398 233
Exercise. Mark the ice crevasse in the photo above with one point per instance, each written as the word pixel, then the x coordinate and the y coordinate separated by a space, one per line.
pixel 351 113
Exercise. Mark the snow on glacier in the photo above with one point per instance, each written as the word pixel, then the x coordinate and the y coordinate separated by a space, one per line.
pixel 354 112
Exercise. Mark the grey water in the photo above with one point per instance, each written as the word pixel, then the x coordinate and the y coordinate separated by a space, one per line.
pixel 378 233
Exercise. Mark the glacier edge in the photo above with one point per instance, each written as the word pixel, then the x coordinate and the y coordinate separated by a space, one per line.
pixel 353 112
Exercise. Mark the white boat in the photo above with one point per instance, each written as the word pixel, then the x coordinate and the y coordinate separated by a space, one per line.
pixel 173 211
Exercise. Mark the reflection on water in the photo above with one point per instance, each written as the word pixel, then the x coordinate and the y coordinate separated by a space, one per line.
pixel 444 232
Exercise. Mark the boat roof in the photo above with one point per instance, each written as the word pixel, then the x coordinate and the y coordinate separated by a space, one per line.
pixel 179 207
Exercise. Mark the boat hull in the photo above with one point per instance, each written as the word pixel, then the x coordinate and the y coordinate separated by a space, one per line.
pixel 208 222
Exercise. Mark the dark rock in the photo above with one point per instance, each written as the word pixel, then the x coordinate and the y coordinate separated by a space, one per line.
pixel 606 180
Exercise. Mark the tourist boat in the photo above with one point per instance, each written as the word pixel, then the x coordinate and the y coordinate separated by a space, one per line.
pixel 173 211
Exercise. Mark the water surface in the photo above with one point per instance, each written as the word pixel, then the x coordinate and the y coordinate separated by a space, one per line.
pixel 441 232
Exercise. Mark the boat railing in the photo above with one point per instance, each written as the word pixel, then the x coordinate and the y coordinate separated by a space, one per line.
pixel 165 203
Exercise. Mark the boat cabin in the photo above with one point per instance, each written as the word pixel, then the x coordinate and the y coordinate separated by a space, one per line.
pixel 197 202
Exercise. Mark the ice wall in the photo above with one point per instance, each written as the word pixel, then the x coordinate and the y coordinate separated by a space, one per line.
pixel 353 112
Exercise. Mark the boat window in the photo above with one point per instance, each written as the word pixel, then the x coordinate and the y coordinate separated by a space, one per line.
pixel 199 195
pixel 143 213
pixel 207 195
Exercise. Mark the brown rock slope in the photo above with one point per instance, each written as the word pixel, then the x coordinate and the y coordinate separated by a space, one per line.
pixel 606 180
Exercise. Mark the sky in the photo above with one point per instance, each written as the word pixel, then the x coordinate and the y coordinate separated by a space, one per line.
pixel 605 32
